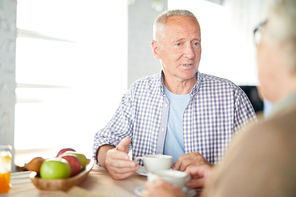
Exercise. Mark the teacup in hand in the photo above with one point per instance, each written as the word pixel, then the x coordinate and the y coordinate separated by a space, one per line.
pixel 178 178
pixel 156 162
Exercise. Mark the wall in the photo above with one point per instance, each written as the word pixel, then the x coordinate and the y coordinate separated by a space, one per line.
pixel 7 70
pixel 141 61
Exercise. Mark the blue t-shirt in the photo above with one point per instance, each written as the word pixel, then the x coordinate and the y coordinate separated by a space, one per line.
pixel 174 144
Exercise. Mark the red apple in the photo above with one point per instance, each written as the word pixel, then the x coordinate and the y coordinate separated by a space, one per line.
pixel 80 156
pixel 64 150
pixel 74 163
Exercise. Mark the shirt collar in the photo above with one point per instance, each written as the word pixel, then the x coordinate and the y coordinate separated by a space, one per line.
pixel 197 84
pixel 161 82
pixel 194 89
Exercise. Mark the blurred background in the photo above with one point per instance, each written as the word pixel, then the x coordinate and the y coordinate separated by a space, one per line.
pixel 65 64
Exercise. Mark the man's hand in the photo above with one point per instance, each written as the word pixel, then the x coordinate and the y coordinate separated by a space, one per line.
pixel 199 175
pixel 188 159
pixel 116 160
pixel 161 188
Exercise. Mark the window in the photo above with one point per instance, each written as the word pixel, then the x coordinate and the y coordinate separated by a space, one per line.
pixel 71 62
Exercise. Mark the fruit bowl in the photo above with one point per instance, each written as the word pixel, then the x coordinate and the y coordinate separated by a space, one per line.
pixel 61 184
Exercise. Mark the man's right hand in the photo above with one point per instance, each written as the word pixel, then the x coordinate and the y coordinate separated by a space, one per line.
pixel 116 160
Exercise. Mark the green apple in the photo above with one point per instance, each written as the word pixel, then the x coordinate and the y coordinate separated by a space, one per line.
pixel 55 168
pixel 80 156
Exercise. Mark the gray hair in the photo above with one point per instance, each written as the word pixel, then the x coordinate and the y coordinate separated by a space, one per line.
pixel 281 14
pixel 161 20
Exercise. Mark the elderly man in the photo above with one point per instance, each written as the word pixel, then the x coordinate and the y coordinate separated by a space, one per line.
pixel 179 112
pixel 261 161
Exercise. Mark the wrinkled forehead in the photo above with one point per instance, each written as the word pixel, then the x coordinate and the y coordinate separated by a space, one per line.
pixel 174 22
pixel 182 21
pixel 181 24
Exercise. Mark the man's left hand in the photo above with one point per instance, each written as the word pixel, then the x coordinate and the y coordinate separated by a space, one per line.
pixel 188 159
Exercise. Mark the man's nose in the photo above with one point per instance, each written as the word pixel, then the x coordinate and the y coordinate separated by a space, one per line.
pixel 189 51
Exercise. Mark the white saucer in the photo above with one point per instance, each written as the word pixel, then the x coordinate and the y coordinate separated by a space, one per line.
pixel 139 190
pixel 188 192
pixel 142 171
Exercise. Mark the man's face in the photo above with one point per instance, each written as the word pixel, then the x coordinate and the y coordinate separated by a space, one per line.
pixel 271 68
pixel 179 48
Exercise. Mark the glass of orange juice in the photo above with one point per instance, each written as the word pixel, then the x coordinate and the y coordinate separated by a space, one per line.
pixel 5 168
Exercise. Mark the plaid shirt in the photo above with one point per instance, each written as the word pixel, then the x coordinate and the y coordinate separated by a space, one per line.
pixel 217 109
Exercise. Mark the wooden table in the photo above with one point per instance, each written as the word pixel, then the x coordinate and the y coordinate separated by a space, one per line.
pixel 97 183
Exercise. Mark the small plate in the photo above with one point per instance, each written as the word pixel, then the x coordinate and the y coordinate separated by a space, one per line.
pixel 142 171
pixel 188 192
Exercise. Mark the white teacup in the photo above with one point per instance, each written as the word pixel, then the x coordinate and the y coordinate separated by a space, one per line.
pixel 178 178
pixel 154 163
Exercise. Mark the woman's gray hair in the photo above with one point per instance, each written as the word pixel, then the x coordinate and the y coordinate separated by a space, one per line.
pixel 161 20
pixel 281 16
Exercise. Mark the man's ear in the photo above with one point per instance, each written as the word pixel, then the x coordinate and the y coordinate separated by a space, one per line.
pixel 155 49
